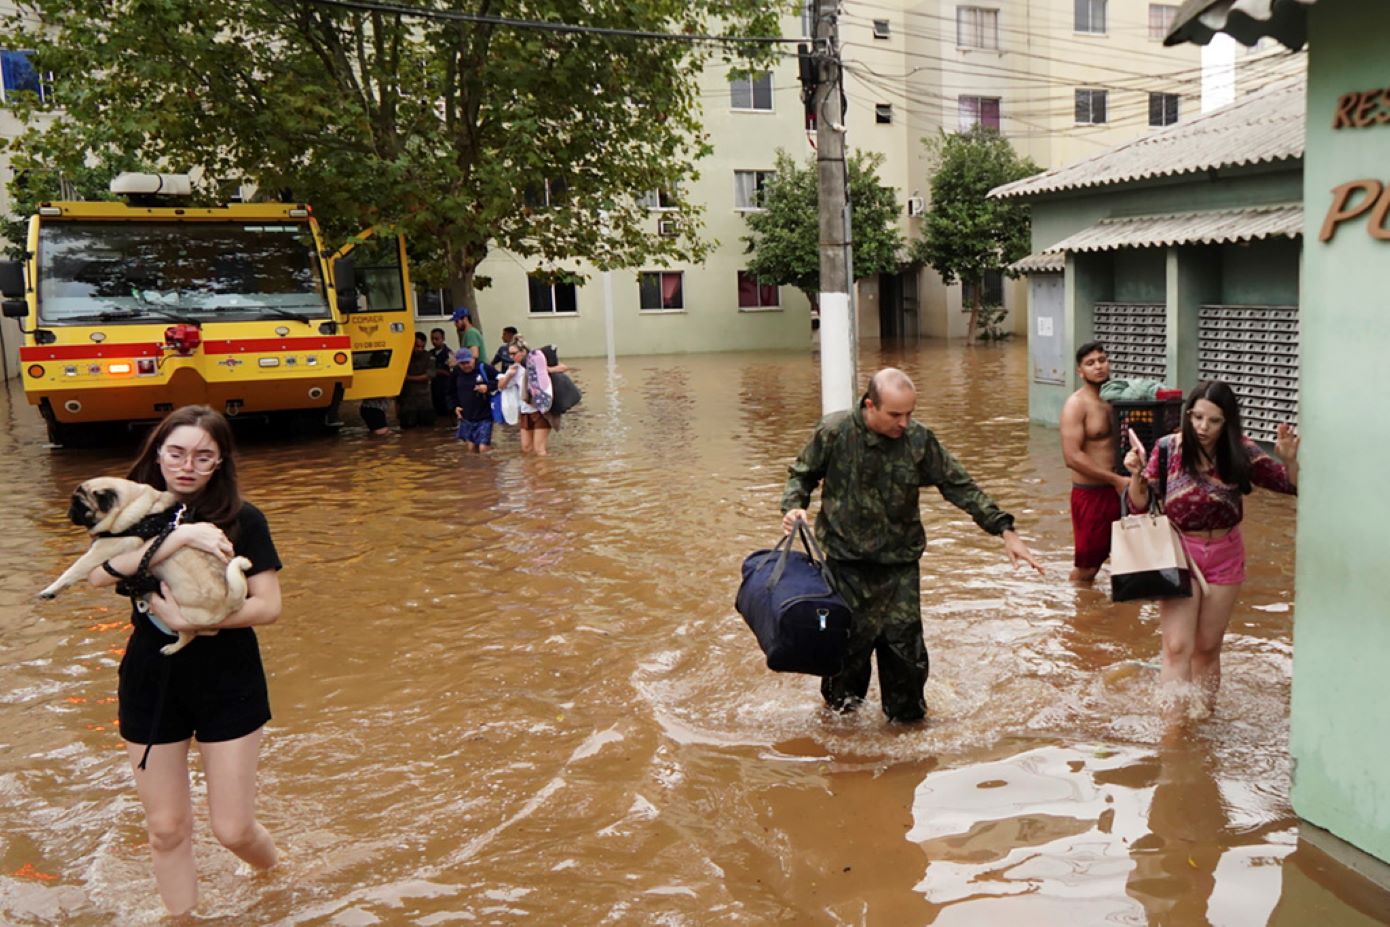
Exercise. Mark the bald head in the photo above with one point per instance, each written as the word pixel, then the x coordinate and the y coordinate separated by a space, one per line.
pixel 889 402
pixel 889 379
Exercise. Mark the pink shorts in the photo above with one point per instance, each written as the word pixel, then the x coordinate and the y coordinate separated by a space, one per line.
pixel 1222 560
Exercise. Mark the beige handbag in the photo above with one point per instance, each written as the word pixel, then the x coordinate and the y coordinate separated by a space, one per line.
pixel 1147 558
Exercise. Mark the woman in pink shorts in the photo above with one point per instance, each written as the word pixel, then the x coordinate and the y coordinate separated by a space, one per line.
pixel 1212 466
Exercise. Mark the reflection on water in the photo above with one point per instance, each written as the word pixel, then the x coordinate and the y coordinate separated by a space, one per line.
pixel 515 690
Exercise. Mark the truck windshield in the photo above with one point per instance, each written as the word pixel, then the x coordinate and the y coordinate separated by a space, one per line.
pixel 135 271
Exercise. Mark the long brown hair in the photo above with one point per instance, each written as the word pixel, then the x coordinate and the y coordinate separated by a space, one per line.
pixel 220 500
pixel 1232 463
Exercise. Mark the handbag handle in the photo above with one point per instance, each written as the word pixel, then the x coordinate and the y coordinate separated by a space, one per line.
pixel 1155 499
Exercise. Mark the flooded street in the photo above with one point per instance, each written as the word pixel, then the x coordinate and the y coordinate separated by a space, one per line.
pixel 515 691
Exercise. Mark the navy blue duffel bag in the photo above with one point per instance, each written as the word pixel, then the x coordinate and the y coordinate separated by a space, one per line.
pixel 788 600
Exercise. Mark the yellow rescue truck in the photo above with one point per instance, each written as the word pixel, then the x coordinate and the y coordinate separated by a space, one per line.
pixel 132 309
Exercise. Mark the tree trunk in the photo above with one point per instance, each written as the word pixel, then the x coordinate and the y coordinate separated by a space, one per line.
pixel 462 293
pixel 974 313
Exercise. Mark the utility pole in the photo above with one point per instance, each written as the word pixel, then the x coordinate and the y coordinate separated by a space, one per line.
pixel 837 336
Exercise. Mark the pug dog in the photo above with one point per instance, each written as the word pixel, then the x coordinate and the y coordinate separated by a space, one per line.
pixel 206 589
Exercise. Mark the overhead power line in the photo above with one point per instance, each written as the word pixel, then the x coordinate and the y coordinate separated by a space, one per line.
pixel 401 9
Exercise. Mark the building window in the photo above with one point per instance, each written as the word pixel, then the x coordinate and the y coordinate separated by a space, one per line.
pixel 1163 109
pixel 432 304
pixel 752 92
pixel 979 111
pixel 755 295
pixel 748 188
pixel 882 29
pixel 992 294
pixel 883 113
pixel 17 74
pixel 1090 107
pixel 977 27
pixel 660 198
pixel 661 290
pixel 1161 17
pixel 546 194
pixel 1090 16
pixel 551 296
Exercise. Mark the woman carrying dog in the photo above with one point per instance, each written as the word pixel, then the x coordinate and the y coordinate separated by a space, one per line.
pixel 213 690
pixel 1212 466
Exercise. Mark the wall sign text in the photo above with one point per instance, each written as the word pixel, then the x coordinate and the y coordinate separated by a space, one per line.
pixel 1362 109
pixel 1353 199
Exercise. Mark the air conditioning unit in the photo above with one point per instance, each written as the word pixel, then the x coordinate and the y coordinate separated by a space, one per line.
pixel 916 206
pixel 667 228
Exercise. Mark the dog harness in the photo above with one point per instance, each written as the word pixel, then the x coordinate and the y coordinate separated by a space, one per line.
pixel 135 586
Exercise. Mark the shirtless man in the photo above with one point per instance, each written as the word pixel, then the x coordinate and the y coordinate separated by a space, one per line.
pixel 1088 447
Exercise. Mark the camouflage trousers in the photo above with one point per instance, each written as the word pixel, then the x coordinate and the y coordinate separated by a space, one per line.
pixel 885 602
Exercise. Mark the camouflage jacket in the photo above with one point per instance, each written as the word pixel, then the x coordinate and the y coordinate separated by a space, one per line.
pixel 869 482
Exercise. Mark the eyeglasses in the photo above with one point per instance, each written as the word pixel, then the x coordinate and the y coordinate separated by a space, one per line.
pixel 202 461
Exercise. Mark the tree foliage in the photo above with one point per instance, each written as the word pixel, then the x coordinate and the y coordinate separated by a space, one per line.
pixel 784 246
pixel 965 233
pixel 446 131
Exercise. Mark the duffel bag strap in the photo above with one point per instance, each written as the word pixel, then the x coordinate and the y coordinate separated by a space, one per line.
pixel 808 539
pixel 780 550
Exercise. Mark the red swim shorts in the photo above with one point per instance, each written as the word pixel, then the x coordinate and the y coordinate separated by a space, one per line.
pixel 1093 510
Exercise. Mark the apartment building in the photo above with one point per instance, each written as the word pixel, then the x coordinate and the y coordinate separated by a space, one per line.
pixel 1062 79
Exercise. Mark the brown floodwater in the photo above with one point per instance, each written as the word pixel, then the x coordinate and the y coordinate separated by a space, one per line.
pixel 515 690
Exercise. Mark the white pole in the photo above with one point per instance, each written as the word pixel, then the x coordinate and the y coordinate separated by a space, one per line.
pixel 836 360
pixel 608 319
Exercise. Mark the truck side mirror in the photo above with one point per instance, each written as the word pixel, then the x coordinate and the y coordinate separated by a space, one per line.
pixel 15 308
pixel 345 285
pixel 12 280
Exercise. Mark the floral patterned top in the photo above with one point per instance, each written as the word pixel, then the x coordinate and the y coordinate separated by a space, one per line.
pixel 1203 502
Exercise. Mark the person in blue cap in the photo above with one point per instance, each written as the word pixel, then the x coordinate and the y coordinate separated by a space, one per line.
pixel 471 385
pixel 469 335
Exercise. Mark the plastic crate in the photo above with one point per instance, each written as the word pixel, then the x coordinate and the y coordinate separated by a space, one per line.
pixel 1151 419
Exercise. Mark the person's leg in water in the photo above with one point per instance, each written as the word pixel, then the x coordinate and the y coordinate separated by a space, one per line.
pixel 874 595
pixel 164 792
pixel 1177 620
pixel 230 767
pixel 528 434
pixel 902 653
pixel 542 438
pixel 1212 620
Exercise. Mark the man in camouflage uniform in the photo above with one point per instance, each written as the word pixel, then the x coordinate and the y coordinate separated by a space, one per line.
pixel 870 463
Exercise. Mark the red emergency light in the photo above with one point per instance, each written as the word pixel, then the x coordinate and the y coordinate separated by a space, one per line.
pixel 183 338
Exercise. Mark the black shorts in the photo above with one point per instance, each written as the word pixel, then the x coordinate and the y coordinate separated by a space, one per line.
pixel 216 687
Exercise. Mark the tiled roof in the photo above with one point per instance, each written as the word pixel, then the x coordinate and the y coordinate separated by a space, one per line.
pixel 1264 127
pixel 1210 227
pixel 1247 21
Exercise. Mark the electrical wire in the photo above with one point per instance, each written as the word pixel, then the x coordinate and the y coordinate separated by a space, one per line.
pixel 1089 46
pixel 399 9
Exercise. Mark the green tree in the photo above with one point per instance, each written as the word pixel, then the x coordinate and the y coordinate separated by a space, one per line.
pixel 784 247
pixel 464 136
pixel 966 234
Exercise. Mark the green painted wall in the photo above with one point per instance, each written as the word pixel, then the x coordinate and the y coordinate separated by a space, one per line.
pixel 1140 275
pixel 1340 736
pixel 1194 281
pixel 1261 273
